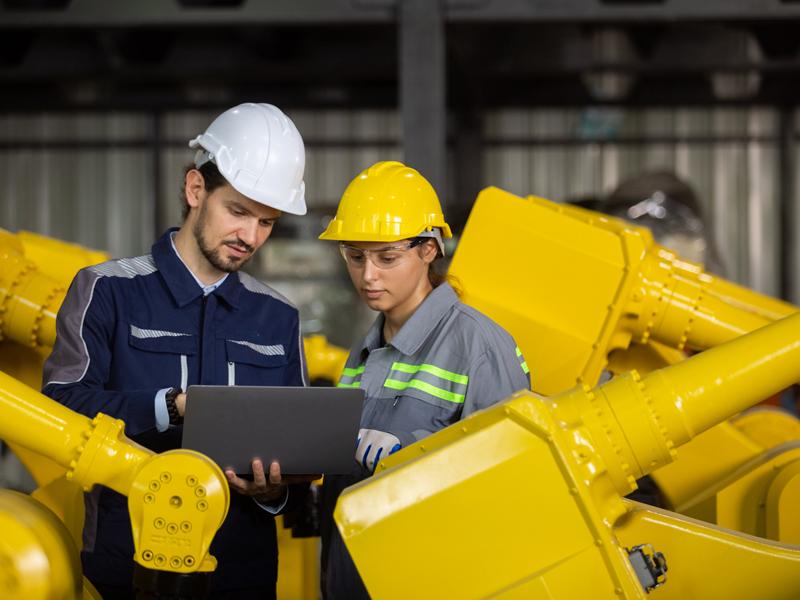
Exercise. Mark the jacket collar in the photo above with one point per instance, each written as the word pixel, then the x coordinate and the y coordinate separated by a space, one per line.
pixel 418 327
pixel 179 280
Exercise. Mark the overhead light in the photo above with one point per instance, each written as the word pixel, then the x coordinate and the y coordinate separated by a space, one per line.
pixel 614 47
pixel 742 47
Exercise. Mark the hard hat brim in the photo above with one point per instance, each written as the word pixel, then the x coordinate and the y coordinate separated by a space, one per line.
pixel 367 236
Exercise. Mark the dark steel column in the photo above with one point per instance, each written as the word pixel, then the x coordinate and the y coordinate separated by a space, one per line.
pixel 467 174
pixel 790 214
pixel 160 212
pixel 422 89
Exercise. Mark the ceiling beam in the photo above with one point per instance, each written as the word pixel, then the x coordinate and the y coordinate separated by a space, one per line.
pixel 190 13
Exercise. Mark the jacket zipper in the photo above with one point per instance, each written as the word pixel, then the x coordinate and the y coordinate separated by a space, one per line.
pixel 202 332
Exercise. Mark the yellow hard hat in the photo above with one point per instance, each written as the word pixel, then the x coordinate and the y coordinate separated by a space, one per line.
pixel 385 203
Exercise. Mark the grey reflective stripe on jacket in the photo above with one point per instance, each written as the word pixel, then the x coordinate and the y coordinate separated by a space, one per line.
pixel 446 362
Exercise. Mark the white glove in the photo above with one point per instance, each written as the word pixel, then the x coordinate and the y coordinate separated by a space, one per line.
pixel 374 445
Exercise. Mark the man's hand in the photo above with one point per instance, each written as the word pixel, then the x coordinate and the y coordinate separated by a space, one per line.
pixel 265 488
pixel 180 403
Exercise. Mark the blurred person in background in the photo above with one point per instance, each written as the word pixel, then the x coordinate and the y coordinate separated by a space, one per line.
pixel 669 207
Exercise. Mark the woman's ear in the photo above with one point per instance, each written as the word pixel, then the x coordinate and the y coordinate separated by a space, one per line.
pixel 430 250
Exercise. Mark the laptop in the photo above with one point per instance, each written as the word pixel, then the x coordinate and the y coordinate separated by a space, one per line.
pixel 308 430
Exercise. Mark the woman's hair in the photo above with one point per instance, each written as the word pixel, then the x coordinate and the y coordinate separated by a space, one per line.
pixel 437 275
pixel 212 180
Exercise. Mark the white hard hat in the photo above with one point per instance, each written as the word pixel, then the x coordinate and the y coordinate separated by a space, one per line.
pixel 259 151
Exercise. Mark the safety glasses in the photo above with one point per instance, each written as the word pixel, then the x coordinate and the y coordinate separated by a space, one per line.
pixel 384 258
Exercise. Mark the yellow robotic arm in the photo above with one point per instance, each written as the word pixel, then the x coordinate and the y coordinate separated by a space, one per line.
pixel 573 286
pixel 324 360
pixel 525 499
pixel 29 299
pixel 38 557
pixel 177 500
pixel 582 292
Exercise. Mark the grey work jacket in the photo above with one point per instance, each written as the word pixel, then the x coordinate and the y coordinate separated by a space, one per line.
pixel 446 362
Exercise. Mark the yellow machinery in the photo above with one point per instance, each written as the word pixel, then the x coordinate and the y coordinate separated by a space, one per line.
pixel 582 293
pixel 575 286
pixel 525 499
pixel 325 361
pixel 38 557
pixel 604 297
pixel 34 274
pixel 177 500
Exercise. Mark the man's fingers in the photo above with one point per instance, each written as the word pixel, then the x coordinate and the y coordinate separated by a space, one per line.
pixel 263 483
pixel 180 404
pixel 237 483
pixel 259 479
pixel 275 473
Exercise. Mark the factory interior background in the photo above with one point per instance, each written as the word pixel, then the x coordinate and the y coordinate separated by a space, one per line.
pixel 570 101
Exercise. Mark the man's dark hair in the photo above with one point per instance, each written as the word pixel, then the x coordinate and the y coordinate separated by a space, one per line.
pixel 212 180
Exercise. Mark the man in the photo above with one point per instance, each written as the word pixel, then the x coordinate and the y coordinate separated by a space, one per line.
pixel 134 333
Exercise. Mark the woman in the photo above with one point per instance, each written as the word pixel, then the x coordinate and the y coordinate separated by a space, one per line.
pixel 428 360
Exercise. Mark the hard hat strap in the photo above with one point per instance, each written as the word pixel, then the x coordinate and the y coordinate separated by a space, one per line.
pixel 436 234
pixel 201 157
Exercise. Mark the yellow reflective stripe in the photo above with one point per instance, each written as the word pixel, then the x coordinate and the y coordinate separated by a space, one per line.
pixel 433 370
pixel 350 373
pixel 425 387
pixel 523 364
pixel 353 372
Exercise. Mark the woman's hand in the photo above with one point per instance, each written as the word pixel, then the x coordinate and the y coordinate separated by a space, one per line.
pixel 374 445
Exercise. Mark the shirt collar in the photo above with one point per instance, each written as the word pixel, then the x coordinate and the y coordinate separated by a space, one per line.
pixel 207 289
pixel 181 282
pixel 419 326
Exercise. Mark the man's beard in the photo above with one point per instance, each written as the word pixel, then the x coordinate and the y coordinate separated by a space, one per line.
pixel 213 255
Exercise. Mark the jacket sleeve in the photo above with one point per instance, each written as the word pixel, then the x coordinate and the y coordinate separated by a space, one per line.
pixel 76 374
pixel 496 374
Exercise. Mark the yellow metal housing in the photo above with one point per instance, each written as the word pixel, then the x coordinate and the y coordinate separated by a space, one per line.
pixel 324 360
pixel 177 499
pixel 708 562
pixel 524 499
pixel 583 293
pixel 29 299
pixel 38 559
pixel 574 286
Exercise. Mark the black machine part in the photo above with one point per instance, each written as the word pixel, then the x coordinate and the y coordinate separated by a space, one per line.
pixel 650 566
